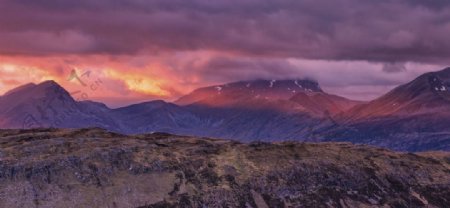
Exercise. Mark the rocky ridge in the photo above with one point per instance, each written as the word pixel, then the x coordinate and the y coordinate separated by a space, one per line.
pixel 96 168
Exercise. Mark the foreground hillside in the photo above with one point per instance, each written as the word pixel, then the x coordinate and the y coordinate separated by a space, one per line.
pixel 95 168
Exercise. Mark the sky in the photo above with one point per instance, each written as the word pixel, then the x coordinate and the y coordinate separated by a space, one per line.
pixel 129 51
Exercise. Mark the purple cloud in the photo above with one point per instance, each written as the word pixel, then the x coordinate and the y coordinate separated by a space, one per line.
pixel 385 30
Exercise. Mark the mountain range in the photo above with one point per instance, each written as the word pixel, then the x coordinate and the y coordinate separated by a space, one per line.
pixel 412 117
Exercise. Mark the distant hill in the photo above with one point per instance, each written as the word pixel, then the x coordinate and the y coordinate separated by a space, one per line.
pixel 412 117
pixel 49 105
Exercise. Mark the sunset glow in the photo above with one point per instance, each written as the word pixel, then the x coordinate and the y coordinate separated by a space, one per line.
pixel 147 51
pixel 139 83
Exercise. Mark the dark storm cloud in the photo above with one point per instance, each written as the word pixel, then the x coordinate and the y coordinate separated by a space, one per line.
pixel 220 69
pixel 226 69
pixel 394 67
pixel 382 30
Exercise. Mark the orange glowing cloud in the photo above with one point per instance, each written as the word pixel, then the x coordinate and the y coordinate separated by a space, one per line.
pixel 123 80
pixel 13 75
pixel 140 83
pixel 119 80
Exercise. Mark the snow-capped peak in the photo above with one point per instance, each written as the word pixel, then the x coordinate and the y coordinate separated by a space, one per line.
pixel 441 88
pixel 272 83
pixel 296 83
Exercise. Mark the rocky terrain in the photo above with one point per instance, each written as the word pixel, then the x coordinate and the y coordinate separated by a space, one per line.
pixel 96 168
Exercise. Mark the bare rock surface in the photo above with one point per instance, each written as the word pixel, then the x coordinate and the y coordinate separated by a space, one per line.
pixel 96 168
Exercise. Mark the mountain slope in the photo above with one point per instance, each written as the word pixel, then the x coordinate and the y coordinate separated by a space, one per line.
pixel 247 111
pixel 49 105
pixel 96 168
pixel 282 95
pixel 323 103
pixel 412 117
pixel 264 124
pixel 156 116
pixel 234 93
pixel 429 93
pixel 247 119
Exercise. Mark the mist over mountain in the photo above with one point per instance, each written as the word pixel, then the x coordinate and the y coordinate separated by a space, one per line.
pixel 411 117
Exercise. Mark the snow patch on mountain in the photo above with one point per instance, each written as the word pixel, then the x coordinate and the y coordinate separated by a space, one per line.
pixel 219 89
pixel 441 88
pixel 296 83
pixel 272 83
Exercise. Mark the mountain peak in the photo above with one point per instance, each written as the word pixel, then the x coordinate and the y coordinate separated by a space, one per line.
pixel 36 88
pixel 47 89
pixel 445 71
pixel 50 88
pixel 288 84
pixel 249 90
pixel 49 83
pixel 443 75
pixel 429 92
pixel 438 81
pixel 20 88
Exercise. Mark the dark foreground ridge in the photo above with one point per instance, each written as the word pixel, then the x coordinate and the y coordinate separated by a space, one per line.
pixel 96 168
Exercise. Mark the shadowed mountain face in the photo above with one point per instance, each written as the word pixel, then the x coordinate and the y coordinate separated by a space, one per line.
pixel 96 168
pixel 48 104
pixel 247 111
pixel 412 117
pixel 248 119
pixel 429 93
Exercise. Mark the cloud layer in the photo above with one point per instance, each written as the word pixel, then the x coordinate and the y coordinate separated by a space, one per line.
pixel 384 30
pixel 172 47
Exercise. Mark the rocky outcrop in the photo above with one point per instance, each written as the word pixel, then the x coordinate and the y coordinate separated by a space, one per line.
pixel 96 168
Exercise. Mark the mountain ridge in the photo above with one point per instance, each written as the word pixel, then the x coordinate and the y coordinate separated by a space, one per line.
pixel 96 168
pixel 268 94
pixel 427 88
pixel 264 89
pixel 411 117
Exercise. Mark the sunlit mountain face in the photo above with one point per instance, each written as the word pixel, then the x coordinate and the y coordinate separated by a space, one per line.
pixel 245 70
pixel 135 51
